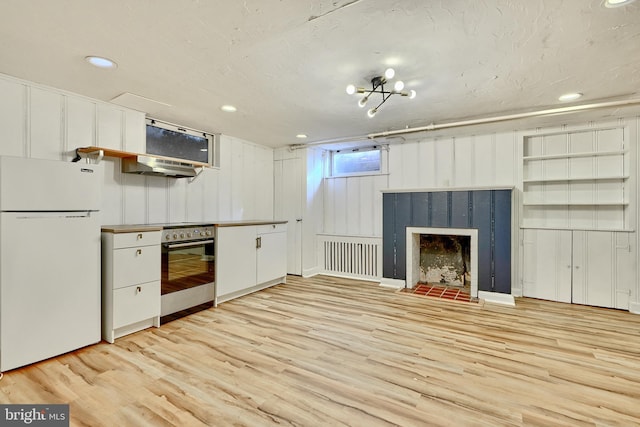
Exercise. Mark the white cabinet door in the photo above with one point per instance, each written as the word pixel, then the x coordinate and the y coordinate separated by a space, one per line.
pixel 547 264
pixel 272 256
pixel 235 259
pixel 603 269
pixel 582 267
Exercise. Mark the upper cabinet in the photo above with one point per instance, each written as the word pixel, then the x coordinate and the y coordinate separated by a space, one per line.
pixel 576 180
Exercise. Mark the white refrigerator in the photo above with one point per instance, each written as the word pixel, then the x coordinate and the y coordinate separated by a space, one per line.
pixel 49 258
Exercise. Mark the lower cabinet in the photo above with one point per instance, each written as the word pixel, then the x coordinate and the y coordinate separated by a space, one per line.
pixel 249 258
pixel 577 266
pixel 130 283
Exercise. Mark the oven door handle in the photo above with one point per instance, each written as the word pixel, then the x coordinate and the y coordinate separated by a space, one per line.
pixel 187 244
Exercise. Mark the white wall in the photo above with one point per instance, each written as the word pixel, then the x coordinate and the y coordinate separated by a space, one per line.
pixel 42 122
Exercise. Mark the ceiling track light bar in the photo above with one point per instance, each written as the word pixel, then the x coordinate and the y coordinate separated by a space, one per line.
pixel 377 86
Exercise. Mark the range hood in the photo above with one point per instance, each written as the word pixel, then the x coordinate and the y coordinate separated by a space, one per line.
pixel 147 165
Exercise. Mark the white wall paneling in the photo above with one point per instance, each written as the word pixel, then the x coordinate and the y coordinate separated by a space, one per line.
pixel 13 114
pixel 80 115
pixel 110 127
pixel 464 164
pixel 45 125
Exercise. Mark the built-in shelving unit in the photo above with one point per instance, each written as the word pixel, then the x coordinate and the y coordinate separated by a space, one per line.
pixel 576 180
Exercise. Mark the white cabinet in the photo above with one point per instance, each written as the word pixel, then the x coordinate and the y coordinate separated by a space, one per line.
pixel 271 245
pixel 130 282
pixel 249 258
pixel 582 267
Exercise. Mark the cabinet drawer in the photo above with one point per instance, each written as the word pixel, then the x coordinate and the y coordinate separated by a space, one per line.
pixel 135 303
pixel 271 228
pixel 135 265
pixel 143 238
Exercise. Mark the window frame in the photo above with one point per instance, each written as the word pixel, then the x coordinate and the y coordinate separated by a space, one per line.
pixel 382 170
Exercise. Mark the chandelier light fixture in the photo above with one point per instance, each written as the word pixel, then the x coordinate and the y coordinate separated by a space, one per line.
pixel 377 86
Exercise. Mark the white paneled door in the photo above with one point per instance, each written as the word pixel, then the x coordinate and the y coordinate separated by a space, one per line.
pixel 288 206
pixel 547 264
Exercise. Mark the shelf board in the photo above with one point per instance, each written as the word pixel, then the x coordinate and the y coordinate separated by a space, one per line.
pixel 575 203
pixel 549 227
pixel 574 155
pixel 590 178
pixel 108 152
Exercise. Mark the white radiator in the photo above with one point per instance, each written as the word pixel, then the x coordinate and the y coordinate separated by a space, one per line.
pixel 359 257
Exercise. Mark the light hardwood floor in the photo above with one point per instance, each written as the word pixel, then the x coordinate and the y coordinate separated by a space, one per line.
pixel 328 352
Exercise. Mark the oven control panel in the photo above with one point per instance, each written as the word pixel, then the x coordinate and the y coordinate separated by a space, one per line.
pixel 185 234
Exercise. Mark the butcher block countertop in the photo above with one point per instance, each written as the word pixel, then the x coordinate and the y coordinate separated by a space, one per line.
pixel 246 222
pixel 135 228
pixel 138 228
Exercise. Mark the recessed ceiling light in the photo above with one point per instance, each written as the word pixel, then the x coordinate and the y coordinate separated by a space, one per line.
pixel 100 62
pixel 229 108
pixel 617 3
pixel 569 97
pixel 301 136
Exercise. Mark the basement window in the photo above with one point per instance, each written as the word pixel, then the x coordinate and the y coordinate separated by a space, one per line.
pixel 356 161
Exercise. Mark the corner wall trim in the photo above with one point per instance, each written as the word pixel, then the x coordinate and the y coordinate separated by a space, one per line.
pixel 497 298
pixel 634 307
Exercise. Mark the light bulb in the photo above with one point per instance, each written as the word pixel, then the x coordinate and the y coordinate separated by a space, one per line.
pixel 569 97
pixel 398 86
pixel 617 3
pixel 372 112
pixel 412 94
pixel 100 62
pixel 363 101
pixel 389 73
pixel 351 89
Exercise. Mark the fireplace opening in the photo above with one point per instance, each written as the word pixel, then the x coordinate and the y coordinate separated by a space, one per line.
pixel 445 259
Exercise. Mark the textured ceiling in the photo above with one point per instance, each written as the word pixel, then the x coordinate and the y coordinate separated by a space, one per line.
pixel 285 63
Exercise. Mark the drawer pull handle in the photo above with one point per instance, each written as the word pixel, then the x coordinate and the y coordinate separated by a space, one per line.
pixel 139 252
pixel 138 289
pixel 140 236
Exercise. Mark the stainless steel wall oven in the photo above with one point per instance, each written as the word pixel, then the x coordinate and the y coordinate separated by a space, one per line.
pixel 188 270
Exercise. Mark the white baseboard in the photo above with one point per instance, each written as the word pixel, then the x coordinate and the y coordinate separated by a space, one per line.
pixel 634 307
pixel 392 283
pixel 310 272
pixel 497 298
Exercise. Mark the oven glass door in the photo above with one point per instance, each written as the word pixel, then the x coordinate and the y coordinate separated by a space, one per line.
pixel 186 265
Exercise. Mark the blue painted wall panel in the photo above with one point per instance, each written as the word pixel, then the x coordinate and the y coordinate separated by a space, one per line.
pixel 482 222
pixel 420 210
pixel 388 236
pixel 502 241
pixel 439 209
pixel 403 220
pixel 460 209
